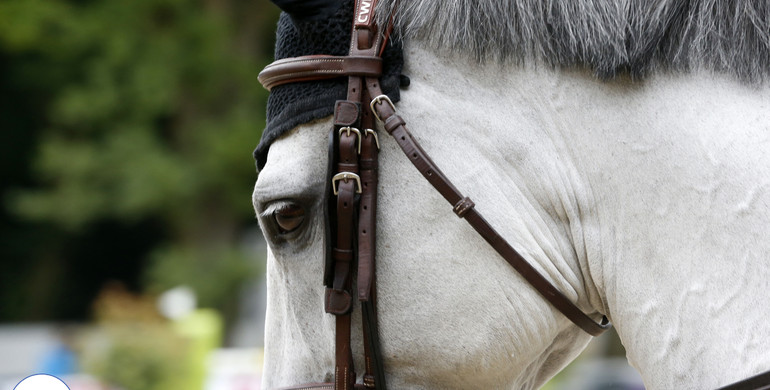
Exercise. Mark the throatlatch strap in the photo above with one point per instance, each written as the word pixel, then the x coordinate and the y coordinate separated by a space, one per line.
pixel 463 207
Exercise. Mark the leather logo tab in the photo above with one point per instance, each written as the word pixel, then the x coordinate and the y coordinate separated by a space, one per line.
pixel 364 13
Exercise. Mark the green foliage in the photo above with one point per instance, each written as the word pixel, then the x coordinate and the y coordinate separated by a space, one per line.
pixel 147 110
pixel 141 357
pixel 153 105
pixel 132 346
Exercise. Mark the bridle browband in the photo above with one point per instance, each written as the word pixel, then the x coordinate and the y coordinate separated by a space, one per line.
pixel 353 163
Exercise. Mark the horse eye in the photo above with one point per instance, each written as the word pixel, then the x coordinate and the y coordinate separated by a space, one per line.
pixel 289 218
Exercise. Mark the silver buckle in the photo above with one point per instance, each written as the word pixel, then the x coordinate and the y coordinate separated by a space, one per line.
pixel 345 176
pixel 353 129
pixel 379 99
pixel 376 138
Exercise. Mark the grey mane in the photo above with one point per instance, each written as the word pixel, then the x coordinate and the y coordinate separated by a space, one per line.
pixel 633 37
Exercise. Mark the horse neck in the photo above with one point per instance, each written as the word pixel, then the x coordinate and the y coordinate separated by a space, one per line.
pixel 646 201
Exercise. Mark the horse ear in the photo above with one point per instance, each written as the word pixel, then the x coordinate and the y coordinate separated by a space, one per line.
pixel 308 9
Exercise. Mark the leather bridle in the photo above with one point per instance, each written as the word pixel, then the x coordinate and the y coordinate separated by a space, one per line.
pixel 353 160
pixel 351 210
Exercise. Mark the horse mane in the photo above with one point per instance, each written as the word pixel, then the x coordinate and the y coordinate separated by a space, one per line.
pixel 635 37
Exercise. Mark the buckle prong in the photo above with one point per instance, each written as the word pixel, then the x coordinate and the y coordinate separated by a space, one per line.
pixel 374 134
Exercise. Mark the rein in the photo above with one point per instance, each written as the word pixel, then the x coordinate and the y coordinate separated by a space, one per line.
pixel 353 161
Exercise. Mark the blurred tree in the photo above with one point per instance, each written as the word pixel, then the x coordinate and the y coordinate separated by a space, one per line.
pixel 133 347
pixel 140 117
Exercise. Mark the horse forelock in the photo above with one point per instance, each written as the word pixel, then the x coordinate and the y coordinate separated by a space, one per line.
pixel 635 37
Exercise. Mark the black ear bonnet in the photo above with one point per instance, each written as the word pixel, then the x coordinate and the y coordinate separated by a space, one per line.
pixel 316 27
pixel 308 9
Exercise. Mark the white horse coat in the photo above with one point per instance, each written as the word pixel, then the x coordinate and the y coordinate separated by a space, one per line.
pixel 648 202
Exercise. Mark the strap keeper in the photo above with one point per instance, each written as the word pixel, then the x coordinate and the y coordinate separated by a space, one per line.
pixel 345 255
pixel 338 302
pixel 463 206
pixel 393 122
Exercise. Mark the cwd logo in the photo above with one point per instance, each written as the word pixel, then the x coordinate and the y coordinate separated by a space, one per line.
pixel 364 12
pixel 41 382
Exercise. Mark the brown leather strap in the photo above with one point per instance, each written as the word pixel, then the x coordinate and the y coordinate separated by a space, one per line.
pixel 318 67
pixel 374 374
pixel 319 386
pixel 347 119
pixel 310 386
pixel 756 382
pixel 338 297
pixel 367 209
pixel 463 207
pixel 344 374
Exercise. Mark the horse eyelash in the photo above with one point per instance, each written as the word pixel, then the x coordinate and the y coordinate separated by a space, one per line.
pixel 275 207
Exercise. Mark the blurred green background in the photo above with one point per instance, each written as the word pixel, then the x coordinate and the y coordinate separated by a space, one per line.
pixel 126 132
pixel 127 128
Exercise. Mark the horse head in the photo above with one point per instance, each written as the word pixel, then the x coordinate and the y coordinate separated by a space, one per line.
pixel 630 198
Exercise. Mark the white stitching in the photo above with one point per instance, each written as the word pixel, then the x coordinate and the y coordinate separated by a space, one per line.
pixel 291 75
pixel 306 60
